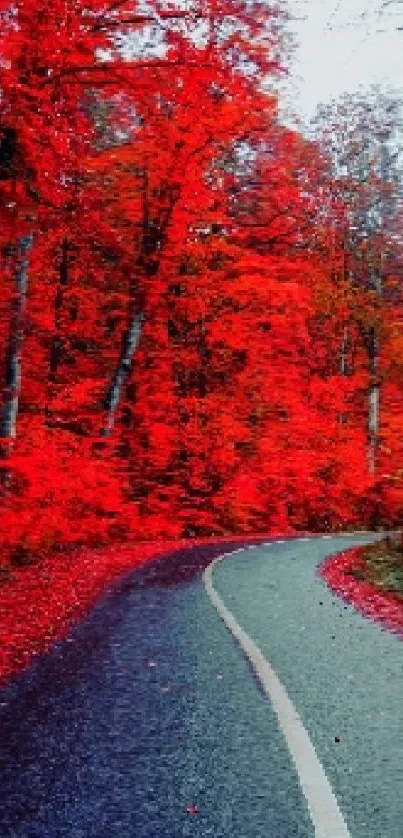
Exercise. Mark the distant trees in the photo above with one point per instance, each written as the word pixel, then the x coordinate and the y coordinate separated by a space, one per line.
pixel 362 140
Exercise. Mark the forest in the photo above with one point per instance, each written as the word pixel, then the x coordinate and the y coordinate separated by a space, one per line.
pixel 202 307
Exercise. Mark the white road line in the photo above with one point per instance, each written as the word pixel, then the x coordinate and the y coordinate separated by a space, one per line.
pixel 325 814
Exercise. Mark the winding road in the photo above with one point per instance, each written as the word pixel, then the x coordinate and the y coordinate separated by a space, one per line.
pixel 238 699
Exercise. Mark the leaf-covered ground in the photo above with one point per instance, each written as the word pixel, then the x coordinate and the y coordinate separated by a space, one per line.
pixel 40 602
pixel 366 578
pixel 384 566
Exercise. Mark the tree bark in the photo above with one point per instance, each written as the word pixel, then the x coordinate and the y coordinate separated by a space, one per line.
pixel 373 399
pixel 374 380
pixel 343 353
pixel 343 364
pixel 151 247
pixel 130 342
pixel 8 422
pixel 56 350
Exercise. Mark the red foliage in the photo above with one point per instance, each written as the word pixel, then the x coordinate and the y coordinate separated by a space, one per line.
pixel 338 572
pixel 43 601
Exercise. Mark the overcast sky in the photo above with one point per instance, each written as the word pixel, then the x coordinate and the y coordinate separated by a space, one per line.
pixel 342 44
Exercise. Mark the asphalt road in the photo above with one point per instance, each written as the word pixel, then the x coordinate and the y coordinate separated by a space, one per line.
pixel 149 721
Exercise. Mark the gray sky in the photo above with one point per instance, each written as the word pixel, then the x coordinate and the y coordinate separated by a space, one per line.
pixel 341 45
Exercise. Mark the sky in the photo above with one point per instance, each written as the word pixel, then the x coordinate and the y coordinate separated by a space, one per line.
pixel 340 46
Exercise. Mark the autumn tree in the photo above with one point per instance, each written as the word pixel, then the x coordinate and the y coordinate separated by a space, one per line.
pixel 189 115
pixel 361 137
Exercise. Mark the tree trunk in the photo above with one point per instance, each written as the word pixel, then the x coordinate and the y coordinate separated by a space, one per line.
pixel 374 381
pixel 130 342
pixel 343 363
pixel 373 400
pixel 8 422
pixel 56 350
pixel 151 247
pixel 343 353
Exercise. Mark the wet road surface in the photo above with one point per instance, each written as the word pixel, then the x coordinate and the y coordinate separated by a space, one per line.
pixel 147 721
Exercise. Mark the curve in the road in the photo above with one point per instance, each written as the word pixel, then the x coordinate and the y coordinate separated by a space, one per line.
pixel 342 672
pixel 145 720
pixel 326 816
